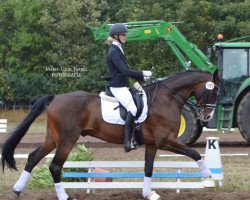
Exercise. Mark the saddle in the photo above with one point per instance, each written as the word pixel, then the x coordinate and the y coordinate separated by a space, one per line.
pixel 137 97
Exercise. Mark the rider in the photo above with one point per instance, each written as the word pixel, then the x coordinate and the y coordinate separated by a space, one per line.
pixel 119 72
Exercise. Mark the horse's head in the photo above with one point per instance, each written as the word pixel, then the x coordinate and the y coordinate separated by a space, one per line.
pixel 206 96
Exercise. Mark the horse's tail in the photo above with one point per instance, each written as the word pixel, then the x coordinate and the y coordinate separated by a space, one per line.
pixel 16 136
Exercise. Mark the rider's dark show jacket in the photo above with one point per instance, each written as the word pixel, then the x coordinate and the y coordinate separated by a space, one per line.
pixel 119 70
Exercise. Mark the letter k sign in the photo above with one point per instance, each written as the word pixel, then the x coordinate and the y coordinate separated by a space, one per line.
pixel 211 144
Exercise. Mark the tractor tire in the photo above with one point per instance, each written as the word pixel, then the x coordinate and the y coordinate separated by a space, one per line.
pixel 190 128
pixel 196 134
pixel 243 117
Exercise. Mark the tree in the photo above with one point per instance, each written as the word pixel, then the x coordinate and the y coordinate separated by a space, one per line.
pixel 72 46
pixel 38 37
pixel 22 49
pixel 47 47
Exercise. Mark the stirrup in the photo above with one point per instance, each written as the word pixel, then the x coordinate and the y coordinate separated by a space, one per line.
pixel 134 144
pixel 128 149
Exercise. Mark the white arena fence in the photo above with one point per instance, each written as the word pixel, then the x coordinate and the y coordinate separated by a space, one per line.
pixel 3 125
pixel 180 179
pixel 183 180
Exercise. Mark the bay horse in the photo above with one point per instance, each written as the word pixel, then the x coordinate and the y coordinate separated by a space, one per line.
pixel 76 114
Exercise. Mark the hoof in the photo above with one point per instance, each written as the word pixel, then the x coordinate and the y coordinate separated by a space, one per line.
pixel 208 182
pixel 153 196
pixel 69 198
pixel 15 195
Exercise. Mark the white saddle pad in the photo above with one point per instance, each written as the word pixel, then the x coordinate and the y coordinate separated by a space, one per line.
pixel 112 115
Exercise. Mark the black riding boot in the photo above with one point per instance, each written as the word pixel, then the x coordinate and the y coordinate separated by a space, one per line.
pixel 129 126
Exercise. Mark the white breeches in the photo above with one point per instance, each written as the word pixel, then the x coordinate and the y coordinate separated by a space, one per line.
pixel 125 98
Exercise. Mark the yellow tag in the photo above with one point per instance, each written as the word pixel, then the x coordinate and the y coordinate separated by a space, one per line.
pixel 147 31
pixel 169 29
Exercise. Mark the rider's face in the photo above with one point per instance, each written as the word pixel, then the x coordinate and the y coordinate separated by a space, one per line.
pixel 123 38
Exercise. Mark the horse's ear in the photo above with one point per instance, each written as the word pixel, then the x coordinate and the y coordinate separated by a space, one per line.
pixel 216 76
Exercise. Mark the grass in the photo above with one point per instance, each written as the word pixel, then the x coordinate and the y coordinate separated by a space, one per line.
pixel 36 127
pixel 14 117
pixel 18 115
pixel 8 178
pixel 236 173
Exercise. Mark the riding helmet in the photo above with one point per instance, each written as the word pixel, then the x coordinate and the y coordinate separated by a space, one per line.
pixel 117 29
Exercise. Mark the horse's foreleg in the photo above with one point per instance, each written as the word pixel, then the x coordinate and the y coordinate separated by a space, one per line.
pixel 33 160
pixel 150 153
pixel 175 146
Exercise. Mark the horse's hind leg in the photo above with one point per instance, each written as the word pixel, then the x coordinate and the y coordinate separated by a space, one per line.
pixel 150 153
pixel 175 146
pixel 56 165
pixel 33 160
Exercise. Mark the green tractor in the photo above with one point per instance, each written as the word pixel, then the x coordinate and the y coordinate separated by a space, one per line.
pixel 233 106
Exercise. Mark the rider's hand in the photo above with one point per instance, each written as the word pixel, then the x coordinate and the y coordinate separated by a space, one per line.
pixel 147 74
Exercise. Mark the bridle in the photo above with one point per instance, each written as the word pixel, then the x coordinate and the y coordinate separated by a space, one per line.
pixel 203 99
pixel 199 108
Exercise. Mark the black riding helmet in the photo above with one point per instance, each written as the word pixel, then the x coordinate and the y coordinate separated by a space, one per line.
pixel 117 29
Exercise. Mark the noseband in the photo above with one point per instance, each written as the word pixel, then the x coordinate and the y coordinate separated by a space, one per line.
pixel 203 98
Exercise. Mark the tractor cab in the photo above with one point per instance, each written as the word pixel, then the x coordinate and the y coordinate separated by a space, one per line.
pixel 234 63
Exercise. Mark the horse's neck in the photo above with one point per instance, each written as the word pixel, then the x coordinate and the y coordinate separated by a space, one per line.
pixel 184 85
pixel 177 88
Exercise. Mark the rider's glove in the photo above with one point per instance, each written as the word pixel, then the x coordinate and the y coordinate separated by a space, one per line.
pixel 147 74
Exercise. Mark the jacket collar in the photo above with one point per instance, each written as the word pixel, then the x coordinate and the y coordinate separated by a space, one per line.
pixel 120 51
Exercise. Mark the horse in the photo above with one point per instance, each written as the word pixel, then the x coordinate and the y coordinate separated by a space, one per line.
pixel 76 114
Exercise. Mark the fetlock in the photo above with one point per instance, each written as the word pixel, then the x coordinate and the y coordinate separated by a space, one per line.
pixel 206 173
